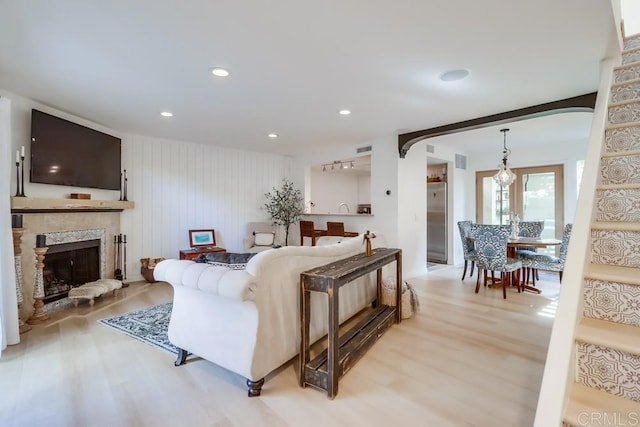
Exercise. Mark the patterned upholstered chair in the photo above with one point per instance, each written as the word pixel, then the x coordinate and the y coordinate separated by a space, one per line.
pixel 491 251
pixel 468 247
pixel 548 262
pixel 530 228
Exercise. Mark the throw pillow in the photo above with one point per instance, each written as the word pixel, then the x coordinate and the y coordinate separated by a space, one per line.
pixel 264 239
pixel 225 259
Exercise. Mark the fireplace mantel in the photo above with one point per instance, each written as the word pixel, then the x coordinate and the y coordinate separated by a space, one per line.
pixel 44 205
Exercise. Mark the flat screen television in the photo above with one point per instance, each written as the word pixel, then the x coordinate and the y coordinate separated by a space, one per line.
pixel 66 153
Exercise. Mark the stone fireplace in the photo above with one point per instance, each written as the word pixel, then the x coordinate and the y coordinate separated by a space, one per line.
pixel 65 221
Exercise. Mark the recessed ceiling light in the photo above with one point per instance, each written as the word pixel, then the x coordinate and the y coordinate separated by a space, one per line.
pixel 344 112
pixel 219 72
pixel 166 114
pixel 273 135
pixel 453 75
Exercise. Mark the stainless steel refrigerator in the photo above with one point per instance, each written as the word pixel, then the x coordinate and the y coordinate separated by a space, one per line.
pixel 437 222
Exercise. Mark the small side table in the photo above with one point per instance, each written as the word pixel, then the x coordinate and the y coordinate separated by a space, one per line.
pixel 195 252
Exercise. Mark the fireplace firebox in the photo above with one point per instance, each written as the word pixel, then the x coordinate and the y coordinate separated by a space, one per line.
pixel 69 265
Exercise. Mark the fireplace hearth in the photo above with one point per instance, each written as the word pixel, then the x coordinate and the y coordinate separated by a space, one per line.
pixel 69 265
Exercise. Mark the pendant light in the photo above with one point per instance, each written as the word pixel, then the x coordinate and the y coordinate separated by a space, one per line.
pixel 504 177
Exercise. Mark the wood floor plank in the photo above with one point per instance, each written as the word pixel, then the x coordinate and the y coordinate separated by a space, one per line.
pixel 465 359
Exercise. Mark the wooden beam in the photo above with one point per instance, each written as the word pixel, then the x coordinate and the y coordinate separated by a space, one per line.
pixel 580 103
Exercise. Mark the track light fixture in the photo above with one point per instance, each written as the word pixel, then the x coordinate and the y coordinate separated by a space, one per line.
pixel 339 164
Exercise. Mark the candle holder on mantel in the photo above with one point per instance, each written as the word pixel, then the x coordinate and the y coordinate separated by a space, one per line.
pixel 123 186
pixel 22 178
pixel 17 261
pixel 17 176
pixel 38 315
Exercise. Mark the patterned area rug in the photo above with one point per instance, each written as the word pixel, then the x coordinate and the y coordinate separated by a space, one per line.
pixel 148 325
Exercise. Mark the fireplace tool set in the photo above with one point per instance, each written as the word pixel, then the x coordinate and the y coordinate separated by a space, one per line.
pixel 120 258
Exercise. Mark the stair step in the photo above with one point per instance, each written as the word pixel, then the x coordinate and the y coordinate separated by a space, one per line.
pixel 612 301
pixel 620 169
pixel 615 226
pixel 588 407
pixel 630 71
pixel 620 84
pixel 622 137
pixel 625 91
pixel 610 335
pixel 608 357
pixel 613 273
pixel 631 55
pixel 618 187
pixel 632 42
pixel 621 153
pixel 618 204
pixel 615 243
pixel 624 111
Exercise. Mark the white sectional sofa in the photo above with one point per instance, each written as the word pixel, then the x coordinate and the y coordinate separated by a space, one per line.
pixel 248 320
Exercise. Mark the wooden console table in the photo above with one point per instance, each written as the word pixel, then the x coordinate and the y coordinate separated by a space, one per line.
pixel 344 351
pixel 195 252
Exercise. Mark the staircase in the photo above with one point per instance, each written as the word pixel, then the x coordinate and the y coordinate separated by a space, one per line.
pixel 606 391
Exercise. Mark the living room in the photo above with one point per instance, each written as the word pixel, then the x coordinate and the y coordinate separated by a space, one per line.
pixel 179 183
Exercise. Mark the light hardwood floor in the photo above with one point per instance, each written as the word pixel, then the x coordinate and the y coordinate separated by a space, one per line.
pixel 464 360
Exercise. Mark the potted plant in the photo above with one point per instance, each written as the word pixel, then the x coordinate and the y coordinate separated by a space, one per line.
pixel 285 206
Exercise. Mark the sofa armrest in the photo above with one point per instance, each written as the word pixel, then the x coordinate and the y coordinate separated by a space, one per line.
pixel 217 280
pixel 247 243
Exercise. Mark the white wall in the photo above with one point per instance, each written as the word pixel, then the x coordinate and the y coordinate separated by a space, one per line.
pixel 179 186
pixel 176 186
pixel 364 189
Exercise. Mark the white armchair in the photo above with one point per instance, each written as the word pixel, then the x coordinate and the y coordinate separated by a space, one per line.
pixel 262 236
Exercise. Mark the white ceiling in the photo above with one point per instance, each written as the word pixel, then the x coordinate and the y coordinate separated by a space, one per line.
pixel 294 64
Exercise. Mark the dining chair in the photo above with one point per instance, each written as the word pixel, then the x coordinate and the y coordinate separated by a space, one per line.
pixel 548 262
pixel 307 229
pixel 530 229
pixel 491 249
pixel 335 228
pixel 468 247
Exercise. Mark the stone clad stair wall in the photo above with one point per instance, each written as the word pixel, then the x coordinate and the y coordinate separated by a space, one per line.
pixel 606 390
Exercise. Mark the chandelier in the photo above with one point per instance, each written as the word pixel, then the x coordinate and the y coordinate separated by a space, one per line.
pixel 504 177
pixel 338 164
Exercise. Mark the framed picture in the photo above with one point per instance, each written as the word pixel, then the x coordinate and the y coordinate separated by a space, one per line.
pixel 202 238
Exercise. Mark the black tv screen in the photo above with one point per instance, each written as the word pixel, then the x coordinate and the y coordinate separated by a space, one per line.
pixel 66 153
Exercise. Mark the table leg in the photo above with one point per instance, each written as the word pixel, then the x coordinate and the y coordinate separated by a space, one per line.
pixel 378 288
pixel 305 297
pixel 399 287
pixel 332 343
